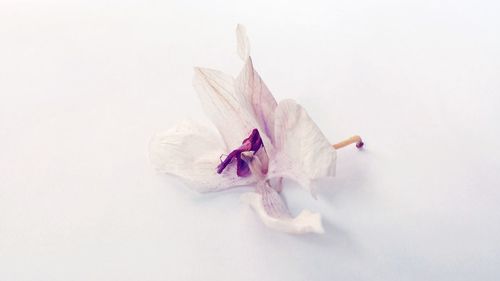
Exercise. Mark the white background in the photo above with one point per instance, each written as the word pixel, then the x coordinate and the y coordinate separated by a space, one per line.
pixel 84 85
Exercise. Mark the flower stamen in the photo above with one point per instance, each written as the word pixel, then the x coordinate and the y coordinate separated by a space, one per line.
pixel 354 139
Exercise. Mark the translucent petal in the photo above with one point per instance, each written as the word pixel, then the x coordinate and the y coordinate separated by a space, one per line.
pixel 274 214
pixel 272 202
pixel 260 100
pixel 229 112
pixel 191 152
pixel 243 44
pixel 302 152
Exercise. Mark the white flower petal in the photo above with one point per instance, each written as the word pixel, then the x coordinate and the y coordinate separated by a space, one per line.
pixel 228 111
pixel 191 152
pixel 302 151
pixel 243 44
pixel 278 219
pixel 260 100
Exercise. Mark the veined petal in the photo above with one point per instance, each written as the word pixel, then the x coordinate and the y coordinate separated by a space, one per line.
pixel 228 111
pixel 302 152
pixel 261 101
pixel 273 212
pixel 191 152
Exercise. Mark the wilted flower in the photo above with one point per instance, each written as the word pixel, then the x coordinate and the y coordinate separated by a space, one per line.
pixel 262 143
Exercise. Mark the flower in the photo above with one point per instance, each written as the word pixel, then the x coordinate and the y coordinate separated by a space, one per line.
pixel 261 142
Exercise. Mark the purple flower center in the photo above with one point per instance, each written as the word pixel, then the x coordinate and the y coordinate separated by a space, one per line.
pixel 252 143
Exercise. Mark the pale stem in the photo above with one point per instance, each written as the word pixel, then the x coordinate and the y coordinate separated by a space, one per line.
pixel 354 139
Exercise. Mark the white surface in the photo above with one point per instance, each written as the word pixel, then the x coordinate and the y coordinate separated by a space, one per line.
pixel 84 85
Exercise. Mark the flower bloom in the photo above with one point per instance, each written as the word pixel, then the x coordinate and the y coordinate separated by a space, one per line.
pixel 260 142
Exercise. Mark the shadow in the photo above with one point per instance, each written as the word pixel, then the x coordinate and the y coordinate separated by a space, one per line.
pixel 351 178
pixel 335 237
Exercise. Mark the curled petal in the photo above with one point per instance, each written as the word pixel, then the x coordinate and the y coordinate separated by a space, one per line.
pixel 302 152
pixel 191 152
pixel 228 110
pixel 274 214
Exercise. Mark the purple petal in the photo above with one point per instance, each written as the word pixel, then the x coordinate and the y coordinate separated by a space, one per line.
pixel 242 169
pixel 252 143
